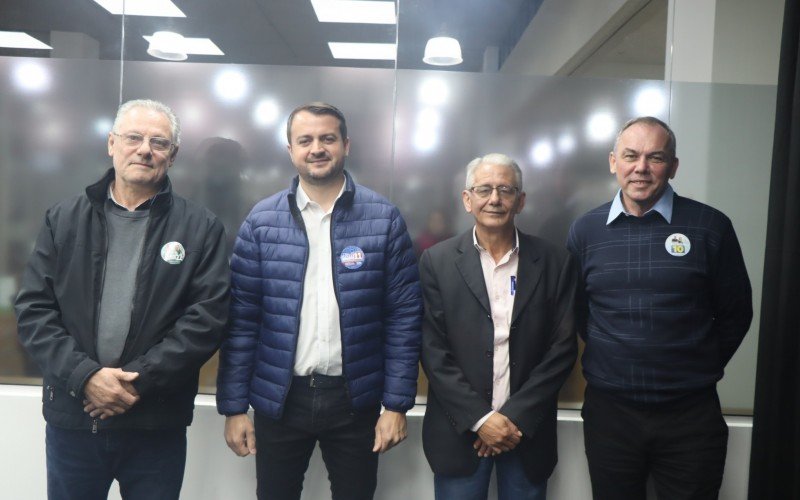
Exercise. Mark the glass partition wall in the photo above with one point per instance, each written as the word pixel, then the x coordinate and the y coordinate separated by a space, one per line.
pixel 545 82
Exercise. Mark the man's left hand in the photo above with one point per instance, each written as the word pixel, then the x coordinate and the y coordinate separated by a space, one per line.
pixel 389 431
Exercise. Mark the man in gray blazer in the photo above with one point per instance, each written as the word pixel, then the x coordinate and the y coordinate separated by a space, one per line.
pixel 498 343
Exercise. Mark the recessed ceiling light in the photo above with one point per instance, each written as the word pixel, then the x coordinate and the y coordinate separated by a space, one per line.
pixel 374 51
pixel 197 46
pixel 156 8
pixel 20 40
pixel 354 11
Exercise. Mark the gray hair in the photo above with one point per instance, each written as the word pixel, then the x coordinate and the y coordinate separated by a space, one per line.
pixel 494 159
pixel 672 142
pixel 159 107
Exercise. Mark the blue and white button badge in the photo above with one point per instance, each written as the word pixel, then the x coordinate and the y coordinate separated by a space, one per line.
pixel 352 257
pixel 678 245
pixel 173 253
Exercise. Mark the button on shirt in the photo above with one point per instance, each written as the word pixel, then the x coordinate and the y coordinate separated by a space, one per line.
pixel 500 278
pixel 319 343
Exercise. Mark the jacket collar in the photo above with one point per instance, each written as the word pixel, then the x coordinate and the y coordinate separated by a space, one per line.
pixel 529 272
pixel 98 193
pixel 346 199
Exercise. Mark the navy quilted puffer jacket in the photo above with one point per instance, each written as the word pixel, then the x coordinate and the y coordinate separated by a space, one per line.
pixel 380 305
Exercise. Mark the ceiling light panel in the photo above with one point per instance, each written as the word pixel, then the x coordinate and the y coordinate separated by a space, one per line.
pixel 155 8
pixel 20 40
pixel 372 51
pixel 354 11
pixel 197 46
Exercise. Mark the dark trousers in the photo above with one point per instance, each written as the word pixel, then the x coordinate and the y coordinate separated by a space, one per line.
pixel 682 444
pixel 148 464
pixel 319 413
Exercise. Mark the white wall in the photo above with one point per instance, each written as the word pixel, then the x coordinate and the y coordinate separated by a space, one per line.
pixel 724 41
pixel 214 473
pixel 563 33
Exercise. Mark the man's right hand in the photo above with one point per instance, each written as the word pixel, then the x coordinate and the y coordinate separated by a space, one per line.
pixel 240 434
pixel 499 433
pixel 109 392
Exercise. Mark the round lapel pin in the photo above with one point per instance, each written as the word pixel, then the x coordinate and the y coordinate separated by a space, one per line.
pixel 352 257
pixel 173 252
pixel 677 245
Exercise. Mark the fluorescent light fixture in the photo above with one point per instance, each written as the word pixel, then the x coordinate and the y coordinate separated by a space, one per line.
pixel 155 8
pixel 20 40
pixel 372 51
pixel 442 51
pixel 354 11
pixel 197 46
pixel 167 45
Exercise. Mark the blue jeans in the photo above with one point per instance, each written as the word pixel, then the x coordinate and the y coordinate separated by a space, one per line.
pixel 512 483
pixel 148 464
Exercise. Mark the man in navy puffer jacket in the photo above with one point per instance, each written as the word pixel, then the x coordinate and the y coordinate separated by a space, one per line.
pixel 325 322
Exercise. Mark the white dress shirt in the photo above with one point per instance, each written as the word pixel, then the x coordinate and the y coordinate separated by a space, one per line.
pixel 501 283
pixel 319 343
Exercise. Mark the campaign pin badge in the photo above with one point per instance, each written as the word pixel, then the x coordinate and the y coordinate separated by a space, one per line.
pixel 352 257
pixel 173 252
pixel 678 245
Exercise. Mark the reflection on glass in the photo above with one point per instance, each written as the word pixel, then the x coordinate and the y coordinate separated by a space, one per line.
pixel 266 113
pixel 542 153
pixel 31 77
pixel 230 85
pixel 650 101
pixel 601 126
pixel 566 143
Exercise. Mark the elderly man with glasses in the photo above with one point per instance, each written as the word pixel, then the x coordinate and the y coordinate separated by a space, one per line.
pixel 124 298
pixel 498 343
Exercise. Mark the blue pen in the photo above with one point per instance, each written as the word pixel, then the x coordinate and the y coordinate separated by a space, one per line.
pixel 513 284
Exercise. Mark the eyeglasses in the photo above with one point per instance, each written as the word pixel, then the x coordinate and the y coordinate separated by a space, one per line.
pixel 485 191
pixel 156 143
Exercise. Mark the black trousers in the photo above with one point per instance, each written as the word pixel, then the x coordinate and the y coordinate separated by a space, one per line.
pixel 681 444
pixel 317 412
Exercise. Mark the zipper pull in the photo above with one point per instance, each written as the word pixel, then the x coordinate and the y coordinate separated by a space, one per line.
pixel 94 426
pixel 51 393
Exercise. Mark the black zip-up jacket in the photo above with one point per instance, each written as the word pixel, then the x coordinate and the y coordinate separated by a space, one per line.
pixel 179 312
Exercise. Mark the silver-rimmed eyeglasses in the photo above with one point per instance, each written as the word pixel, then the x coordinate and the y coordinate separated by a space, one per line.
pixel 485 191
pixel 160 144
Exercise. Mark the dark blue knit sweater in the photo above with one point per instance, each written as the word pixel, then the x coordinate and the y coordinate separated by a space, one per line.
pixel 660 323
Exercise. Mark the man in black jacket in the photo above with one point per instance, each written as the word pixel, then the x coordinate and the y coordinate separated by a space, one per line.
pixel 498 341
pixel 124 298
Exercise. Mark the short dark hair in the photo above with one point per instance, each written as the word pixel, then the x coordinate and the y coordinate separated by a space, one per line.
pixel 672 143
pixel 318 108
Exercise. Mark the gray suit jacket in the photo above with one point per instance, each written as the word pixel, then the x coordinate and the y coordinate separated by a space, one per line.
pixel 458 345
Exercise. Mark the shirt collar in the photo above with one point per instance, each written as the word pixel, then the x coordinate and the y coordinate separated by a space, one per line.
pixel 663 206
pixel 145 205
pixel 302 199
pixel 481 249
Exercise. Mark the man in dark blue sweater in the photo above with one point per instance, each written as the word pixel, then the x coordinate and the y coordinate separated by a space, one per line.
pixel 667 302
